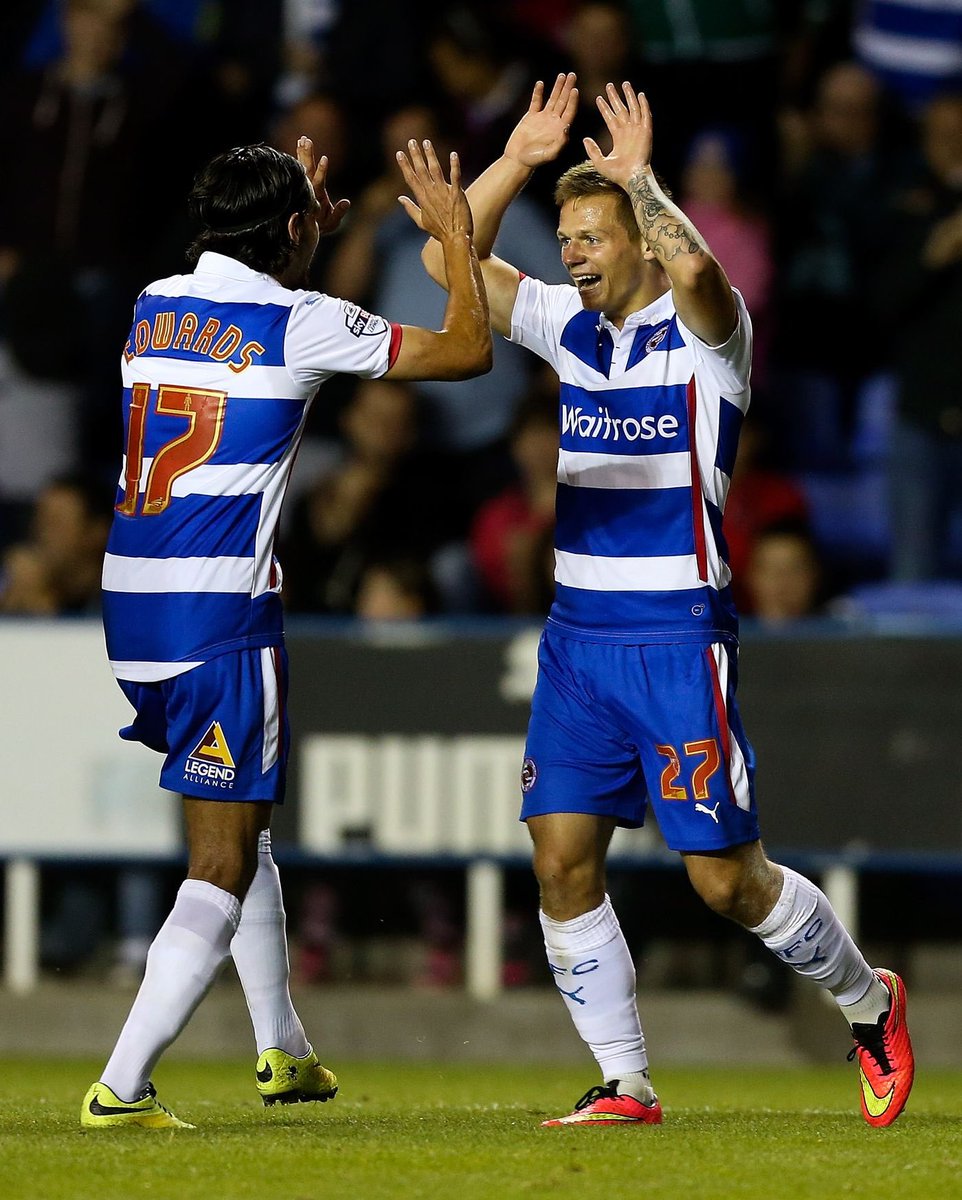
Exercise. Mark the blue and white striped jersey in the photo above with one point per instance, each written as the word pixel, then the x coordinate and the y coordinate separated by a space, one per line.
pixel 218 376
pixel 650 418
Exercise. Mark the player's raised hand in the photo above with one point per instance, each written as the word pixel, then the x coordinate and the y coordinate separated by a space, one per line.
pixel 629 121
pixel 542 132
pixel 438 207
pixel 330 215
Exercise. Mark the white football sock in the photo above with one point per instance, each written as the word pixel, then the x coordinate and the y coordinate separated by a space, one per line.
pixel 182 963
pixel 591 966
pixel 803 931
pixel 635 1083
pixel 259 950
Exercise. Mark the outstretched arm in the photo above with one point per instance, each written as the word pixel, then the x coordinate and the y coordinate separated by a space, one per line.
pixel 538 138
pixel 462 348
pixel 701 291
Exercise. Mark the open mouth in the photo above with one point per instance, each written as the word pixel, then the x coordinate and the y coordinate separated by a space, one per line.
pixel 585 283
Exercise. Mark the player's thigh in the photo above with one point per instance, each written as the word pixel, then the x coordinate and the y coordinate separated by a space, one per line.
pixel 227 731
pixel 577 759
pixel 697 761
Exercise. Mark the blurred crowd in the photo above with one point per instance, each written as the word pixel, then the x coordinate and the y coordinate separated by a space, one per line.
pixel 817 144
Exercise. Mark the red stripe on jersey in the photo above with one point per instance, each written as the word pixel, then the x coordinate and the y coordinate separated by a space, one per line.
pixel 395 347
pixel 721 712
pixel 697 503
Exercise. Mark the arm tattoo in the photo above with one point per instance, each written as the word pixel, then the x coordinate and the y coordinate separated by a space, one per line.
pixel 664 232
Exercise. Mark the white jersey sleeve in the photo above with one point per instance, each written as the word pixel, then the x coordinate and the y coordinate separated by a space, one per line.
pixel 327 336
pixel 540 313
pixel 730 363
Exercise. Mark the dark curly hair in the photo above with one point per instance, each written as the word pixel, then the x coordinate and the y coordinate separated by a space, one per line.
pixel 243 200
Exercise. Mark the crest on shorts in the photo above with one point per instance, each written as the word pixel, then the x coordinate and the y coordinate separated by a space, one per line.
pixel 213 747
pixel 529 773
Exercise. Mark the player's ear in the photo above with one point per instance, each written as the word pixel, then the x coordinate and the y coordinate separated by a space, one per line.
pixel 294 228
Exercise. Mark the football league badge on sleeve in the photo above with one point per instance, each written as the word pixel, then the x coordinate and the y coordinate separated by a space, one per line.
pixel 360 322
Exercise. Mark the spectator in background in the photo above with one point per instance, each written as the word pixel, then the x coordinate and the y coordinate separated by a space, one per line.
pixel 395 589
pixel 320 116
pixel 378 262
pixel 385 498
pixel 712 193
pixel 25 589
pixel 483 83
pixel 57 569
pixel 73 205
pixel 307 29
pixel 353 270
pixel 919 297
pixel 914 49
pixel 831 232
pixel 784 578
pixel 510 526
pixel 725 52
pixel 536 573
pixel 599 41
pixel 758 497
pixel 375 61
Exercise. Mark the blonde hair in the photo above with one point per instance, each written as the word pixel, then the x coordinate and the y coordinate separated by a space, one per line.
pixel 584 179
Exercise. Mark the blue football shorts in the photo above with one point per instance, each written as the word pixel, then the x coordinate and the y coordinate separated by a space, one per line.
pixel 222 726
pixel 615 726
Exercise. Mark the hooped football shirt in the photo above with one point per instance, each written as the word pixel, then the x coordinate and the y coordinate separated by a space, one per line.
pixel 649 423
pixel 218 375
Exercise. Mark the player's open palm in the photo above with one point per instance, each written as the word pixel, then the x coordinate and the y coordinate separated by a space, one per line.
pixel 629 122
pixel 329 215
pixel 438 207
pixel 542 132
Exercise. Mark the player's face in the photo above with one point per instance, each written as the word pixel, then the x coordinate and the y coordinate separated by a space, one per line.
pixel 604 261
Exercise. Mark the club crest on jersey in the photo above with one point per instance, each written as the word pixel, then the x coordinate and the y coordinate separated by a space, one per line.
pixel 211 762
pixel 657 338
pixel 362 323
pixel 529 774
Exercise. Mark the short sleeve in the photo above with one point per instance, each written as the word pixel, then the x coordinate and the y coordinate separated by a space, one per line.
pixel 730 363
pixel 327 336
pixel 540 313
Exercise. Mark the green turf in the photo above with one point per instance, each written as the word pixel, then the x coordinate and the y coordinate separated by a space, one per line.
pixel 464 1132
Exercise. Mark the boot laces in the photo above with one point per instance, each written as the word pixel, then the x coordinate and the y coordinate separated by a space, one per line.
pixel 607 1091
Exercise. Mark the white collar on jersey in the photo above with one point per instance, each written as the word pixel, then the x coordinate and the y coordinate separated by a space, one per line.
pixel 657 310
pixel 212 263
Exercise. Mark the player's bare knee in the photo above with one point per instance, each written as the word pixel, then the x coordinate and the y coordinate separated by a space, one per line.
pixel 231 869
pixel 722 893
pixel 720 882
pixel 568 886
pixel 742 895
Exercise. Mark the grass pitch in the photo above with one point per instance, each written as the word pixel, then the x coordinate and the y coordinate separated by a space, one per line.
pixel 463 1132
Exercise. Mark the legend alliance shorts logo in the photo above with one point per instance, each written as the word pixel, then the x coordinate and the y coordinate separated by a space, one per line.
pixel 210 762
